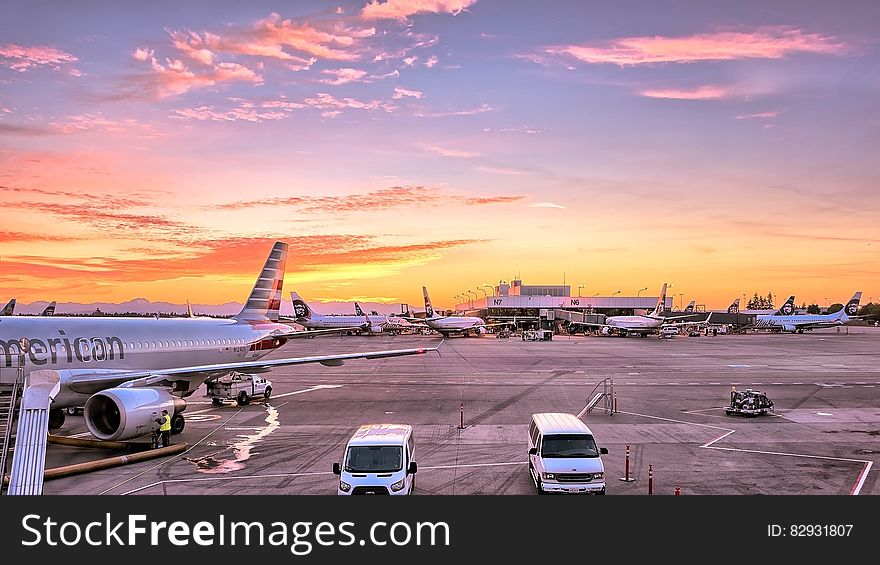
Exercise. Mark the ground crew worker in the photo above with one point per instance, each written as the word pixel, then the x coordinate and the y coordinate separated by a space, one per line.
pixel 165 429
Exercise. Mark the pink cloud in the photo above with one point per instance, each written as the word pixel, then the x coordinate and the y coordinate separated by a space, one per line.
pixel 402 9
pixel 324 101
pixel 758 116
pixel 482 108
pixel 431 61
pixel 20 58
pixel 451 152
pixel 400 92
pixel 502 171
pixel 700 93
pixel 246 110
pixel 142 53
pixel 342 76
pixel 299 44
pixel 90 122
pixel 174 77
pixel 769 42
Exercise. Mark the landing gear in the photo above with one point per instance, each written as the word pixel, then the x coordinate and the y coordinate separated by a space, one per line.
pixel 56 418
pixel 177 424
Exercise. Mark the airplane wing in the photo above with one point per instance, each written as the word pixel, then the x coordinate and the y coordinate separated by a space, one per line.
pixel 89 382
pixel 312 333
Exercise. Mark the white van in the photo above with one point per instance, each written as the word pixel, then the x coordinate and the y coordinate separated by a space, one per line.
pixel 379 459
pixel 563 456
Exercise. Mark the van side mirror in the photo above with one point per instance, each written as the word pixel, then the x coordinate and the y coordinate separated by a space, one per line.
pixel 336 469
pixel 533 451
pixel 412 468
pixel 603 451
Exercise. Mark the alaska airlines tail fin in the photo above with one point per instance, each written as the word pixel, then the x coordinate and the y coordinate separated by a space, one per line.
pixel 265 298
pixel 49 310
pixel 734 307
pixel 429 310
pixel 189 310
pixel 852 307
pixel 357 310
pixel 690 307
pixel 787 309
pixel 9 309
pixel 300 308
pixel 661 303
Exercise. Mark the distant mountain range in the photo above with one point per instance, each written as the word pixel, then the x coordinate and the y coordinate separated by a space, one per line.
pixel 144 306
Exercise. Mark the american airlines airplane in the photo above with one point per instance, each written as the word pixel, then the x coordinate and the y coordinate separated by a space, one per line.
pixel 372 324
pixel 640 325
pixel 124 370
pixel 784 320
pixel 447 325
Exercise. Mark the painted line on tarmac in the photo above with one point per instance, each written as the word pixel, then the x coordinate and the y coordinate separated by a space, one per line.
pixel 216 479
pixel 857 487
pixel 311 389
pixel 508 463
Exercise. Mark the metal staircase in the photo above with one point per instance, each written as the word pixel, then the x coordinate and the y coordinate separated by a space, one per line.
pixel 607 395
pixel 10 395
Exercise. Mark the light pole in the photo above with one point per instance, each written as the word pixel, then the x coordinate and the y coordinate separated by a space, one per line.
pixel 475 296
pixel 484 294
pixel 616 292
pixel 639 293
pixel 492 288
pixel 681 300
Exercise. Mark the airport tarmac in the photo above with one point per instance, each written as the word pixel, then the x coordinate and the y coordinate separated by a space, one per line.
pixel 821 439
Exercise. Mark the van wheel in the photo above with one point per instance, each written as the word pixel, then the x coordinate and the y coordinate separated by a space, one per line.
pixel 242 398
pixel 216 402
pixel 267 393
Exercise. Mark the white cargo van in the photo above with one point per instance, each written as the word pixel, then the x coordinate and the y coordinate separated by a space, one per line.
pixel 563 456
pixel 379 459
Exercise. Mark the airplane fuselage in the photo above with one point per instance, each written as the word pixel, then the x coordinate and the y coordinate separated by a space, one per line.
pixel 799 322
pixel 455 323
pixel 372 323
pixel 131 344
pixel 634 323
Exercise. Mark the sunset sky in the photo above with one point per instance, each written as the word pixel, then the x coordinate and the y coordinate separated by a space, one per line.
pixel 157 149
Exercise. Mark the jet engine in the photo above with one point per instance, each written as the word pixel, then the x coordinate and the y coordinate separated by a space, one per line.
pixel 376 329
pixel 789 328
pixel 481 330
pixel 126 413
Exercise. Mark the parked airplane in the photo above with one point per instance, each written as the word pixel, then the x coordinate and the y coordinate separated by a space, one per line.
pixel 639 325
pixel 9 309
pixel 125 370
pixel 49 310
pixel 784 320
pixel 734 307
pixel 447 325
pixel 689 309
pixel 307 317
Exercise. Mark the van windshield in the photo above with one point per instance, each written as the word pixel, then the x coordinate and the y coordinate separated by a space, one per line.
pixel 374 459
pixel 580 445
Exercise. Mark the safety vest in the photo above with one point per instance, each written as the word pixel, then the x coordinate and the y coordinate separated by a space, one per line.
pixel 166 424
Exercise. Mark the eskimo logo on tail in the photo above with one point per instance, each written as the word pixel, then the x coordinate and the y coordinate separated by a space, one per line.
pixel 787 309
pixel 357 310
pixel 733 308
pixel 429 310
pixel 264 301
pixel 852 307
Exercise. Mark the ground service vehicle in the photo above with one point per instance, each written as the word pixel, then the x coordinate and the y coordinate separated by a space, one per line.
pixel 563 456
pixel 537 335
pixel 240 387
pixel 378 459
pixel 748 403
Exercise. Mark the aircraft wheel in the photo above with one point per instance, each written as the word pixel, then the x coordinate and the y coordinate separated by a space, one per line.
pixel 56 418
pixel 177 424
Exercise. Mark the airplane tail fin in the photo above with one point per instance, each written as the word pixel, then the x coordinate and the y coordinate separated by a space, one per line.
pixel 734 307
pixel 264 301
pixel 787 309
pixel 852 307
pixel 49 310
pixel 9 309
pixel 189 310
pixel 661 303
pixel 690 307
pixel 357 310
pixel 300 308
pixel 429 310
